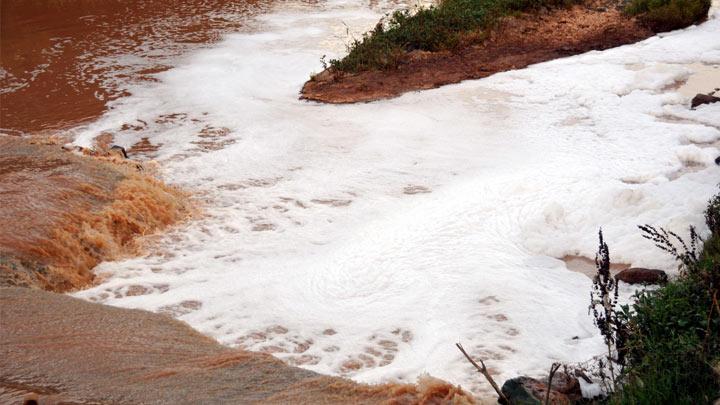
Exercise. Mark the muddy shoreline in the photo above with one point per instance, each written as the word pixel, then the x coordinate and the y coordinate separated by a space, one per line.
pixel 517 43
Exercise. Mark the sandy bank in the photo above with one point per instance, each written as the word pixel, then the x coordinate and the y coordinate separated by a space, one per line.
pixel 63 213
pixel 69 350
pixel 517 42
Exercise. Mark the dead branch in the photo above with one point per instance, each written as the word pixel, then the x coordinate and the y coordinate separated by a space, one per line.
pixel 483 370
pixel 553 369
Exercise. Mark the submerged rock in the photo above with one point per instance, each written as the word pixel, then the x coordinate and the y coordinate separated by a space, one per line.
pixel 118 151
pixel 639 275
pixel 701 99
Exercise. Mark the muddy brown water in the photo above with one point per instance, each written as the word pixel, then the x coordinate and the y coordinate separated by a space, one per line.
pixel 63 60
pixel 62 213
pixel 67 350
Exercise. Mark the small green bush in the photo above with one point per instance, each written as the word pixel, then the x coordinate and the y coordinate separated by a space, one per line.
pixel 712 215
pixel 435 28
pixel 671 348
pixel 666 15
pixel 672 353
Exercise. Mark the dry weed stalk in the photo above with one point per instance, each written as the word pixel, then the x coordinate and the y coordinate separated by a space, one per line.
pixel 483 370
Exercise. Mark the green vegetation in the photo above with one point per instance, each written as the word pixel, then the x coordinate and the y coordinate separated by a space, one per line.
pixel 445 26
pixel 672 349
pixel 453 23
pixel 666 15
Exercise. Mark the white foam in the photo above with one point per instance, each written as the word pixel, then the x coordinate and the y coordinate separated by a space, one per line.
pixel 318 215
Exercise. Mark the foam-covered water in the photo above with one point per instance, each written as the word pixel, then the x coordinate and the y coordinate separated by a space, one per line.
pixel 366 239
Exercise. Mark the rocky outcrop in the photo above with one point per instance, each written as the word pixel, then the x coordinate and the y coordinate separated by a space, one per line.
pixel 701 99
pixel 529 391
pixel 639 275
pixel 65 350
pixel 568 385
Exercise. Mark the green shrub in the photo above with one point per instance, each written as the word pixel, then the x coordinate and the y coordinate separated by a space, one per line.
pixel 666 15
pixel 712 215
pixel 435 28
pixel 670 349
pixel 673 344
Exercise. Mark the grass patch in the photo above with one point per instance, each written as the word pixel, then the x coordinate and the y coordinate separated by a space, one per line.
pixel 666 15
pixel 672 352
pixel 445 26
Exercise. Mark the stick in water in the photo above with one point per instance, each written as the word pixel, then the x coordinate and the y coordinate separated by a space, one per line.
pixel 483 370
pixel 553 369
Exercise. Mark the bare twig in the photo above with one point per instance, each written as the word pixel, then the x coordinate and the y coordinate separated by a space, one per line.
pixel 553 369
pixel 483 370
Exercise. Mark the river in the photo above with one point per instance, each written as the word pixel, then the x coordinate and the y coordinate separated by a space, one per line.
pixel 365 240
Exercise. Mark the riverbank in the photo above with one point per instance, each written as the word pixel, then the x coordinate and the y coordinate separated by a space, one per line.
pixel 517 41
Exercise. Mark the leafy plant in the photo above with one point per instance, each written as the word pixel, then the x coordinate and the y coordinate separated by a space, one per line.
pixel 667 240
pixel 673 340
pixel 444 26
pixel 666 15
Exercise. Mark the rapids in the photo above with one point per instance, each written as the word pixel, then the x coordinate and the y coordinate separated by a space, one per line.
pixel 365 240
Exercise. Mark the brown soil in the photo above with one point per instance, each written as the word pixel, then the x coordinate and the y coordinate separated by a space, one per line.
pixel 63 213
pixel 586 266
pixel 516 43
pixel 63 60
pixel 66 350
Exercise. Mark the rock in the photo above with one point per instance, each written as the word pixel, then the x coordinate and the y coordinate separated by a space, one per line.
pixel 31 399
pixel 118 151
pixel 701 99
pixel 717 160
pixel 640 275
pixel 568 385
pixel 529 391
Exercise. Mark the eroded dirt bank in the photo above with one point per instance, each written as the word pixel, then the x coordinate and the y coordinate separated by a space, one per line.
pixel 517 42
pixel 72 351
pixel 62 213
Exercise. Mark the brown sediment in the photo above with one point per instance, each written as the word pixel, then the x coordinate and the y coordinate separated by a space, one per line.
pixel 586 266
pixel 62 61
pixel 62 214
pixel 516 43
pixel 72 351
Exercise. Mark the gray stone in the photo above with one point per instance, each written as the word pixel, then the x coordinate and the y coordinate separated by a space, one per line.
pixel 529 391
pixel 642 276
pixel 701 99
